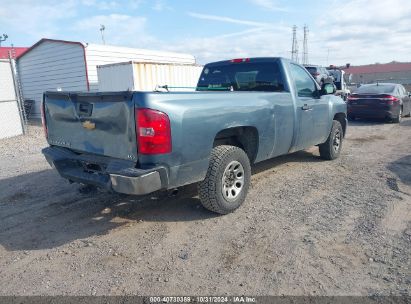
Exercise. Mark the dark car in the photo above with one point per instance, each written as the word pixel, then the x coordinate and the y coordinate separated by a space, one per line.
pixel 320 74
pixel 379 100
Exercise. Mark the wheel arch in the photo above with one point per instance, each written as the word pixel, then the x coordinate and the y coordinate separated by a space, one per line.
pixel 342 118
pixel 244 137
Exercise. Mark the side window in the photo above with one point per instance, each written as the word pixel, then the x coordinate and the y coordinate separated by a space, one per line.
pixel 304 84
pixel 398 91
pixel 402 90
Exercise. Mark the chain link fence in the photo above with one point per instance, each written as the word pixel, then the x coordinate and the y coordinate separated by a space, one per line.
pixel 13 118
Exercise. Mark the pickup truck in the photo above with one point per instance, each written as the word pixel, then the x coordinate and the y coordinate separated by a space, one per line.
pixel 244 111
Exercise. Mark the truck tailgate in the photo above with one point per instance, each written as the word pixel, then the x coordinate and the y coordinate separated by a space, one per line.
pixel 94 123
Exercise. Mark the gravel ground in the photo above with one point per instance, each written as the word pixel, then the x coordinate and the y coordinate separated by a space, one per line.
pixel 308 227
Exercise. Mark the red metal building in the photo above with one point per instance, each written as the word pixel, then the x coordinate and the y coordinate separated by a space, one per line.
pixel 17 51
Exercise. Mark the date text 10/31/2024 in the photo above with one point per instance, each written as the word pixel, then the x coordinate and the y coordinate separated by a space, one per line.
pixel 201 299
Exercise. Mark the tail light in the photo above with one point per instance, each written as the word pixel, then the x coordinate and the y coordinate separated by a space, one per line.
pixel 153 132
pixel 389 99
pixel 43 118
pixel 316 74
pixel 352 98
pixel 238 60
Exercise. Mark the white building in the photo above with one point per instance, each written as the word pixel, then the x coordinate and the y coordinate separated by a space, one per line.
pixel 10 120
pixel 51 65
pixel 137 76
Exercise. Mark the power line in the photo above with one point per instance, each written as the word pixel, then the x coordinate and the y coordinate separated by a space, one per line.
pixel 305 45
pixel 294 47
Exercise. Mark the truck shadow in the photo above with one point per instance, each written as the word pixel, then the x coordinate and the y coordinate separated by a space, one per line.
pixel 40 210
pixel 300 156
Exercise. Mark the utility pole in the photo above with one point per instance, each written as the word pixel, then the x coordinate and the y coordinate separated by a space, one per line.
pixel 294 48
pixel 4 38
pixel 305 45
pixel 102 28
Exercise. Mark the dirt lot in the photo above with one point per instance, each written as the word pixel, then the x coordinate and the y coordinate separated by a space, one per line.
pixel 307 227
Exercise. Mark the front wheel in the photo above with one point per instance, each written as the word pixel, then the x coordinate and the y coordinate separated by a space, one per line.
pixel 331 149
pixel 227 181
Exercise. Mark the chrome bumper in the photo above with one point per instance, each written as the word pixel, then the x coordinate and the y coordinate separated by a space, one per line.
pixel 114 175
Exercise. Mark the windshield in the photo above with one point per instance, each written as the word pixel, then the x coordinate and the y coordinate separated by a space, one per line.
pixel 375 89
pixel 259 76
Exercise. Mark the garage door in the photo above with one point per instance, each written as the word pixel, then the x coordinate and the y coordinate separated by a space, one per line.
pixel 10 121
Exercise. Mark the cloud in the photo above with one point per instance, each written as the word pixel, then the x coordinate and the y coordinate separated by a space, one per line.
pixel 227 19
pixel 120 29
pixel 36 19
pixel 363 33
pixel 271 5
pixel 354 30
pixel 161 5
pixel 248 43
pixel 27 21
pixel 101 5
pixel 259 39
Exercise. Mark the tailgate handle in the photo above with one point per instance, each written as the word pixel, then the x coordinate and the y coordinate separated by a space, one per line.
pixel 84 109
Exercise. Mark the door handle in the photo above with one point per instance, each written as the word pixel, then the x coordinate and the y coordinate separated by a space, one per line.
pixel 306 107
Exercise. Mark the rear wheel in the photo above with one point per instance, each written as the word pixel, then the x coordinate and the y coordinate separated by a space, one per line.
pixel 398 118
pixel 331 149
pixel 227 181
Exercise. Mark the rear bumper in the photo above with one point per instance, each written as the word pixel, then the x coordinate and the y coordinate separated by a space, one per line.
pixel 105 172
pixel 380 112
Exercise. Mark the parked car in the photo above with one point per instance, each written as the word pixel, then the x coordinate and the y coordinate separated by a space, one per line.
pixel 379 100
pixel 320 74
pixel 245 111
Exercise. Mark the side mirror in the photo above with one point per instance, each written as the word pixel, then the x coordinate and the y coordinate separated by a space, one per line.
pixel 328 88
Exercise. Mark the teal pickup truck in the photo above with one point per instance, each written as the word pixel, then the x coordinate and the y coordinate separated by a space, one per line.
pixel 244 111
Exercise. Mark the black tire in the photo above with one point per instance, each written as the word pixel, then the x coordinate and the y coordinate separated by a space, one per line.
pixel 398 118
pixel 211 188
pixel 329 150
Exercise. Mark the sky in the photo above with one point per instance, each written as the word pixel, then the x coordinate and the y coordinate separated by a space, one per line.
pixel 340 32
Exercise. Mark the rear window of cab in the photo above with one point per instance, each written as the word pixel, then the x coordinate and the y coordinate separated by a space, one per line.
pixel 246 76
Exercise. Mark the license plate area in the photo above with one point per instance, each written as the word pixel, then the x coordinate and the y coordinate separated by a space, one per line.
pixel 92 168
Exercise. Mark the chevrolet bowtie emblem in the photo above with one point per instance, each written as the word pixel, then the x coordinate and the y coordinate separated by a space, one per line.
pixel 89 125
